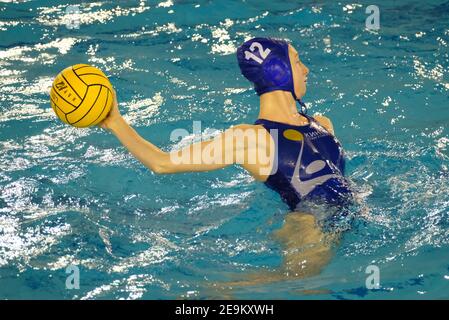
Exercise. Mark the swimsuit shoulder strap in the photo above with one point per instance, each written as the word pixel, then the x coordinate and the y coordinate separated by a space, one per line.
pixel 309 118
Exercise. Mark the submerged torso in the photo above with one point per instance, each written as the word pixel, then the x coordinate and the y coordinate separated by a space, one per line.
pixel 309 163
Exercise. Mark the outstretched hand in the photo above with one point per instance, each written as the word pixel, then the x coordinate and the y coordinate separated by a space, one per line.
pixel 113 116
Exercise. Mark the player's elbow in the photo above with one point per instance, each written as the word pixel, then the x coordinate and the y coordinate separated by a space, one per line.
pixel 162 167
pixel 158 169
pixel 160 164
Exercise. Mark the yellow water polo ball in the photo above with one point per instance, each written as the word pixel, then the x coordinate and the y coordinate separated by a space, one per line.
pixel 81 95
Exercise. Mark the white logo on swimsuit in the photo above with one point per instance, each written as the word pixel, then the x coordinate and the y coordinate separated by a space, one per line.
pixel 315 135
pixel 305 187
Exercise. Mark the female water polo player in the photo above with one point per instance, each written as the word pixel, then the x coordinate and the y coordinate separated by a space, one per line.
pixel 305 159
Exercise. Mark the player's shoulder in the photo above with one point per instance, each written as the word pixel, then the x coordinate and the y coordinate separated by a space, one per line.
pixel 324 121
pixel 245 126
pixel 319 117
pixel 246 129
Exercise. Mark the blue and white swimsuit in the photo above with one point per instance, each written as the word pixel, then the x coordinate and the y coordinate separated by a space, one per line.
pixel 309 164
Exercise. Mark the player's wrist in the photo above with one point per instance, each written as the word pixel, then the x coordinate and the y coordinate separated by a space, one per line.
pixel 116 124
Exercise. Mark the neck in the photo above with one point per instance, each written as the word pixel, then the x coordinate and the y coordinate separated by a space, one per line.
pixel 280 106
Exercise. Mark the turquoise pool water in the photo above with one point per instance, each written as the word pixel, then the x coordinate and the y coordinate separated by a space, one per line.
pixel 75 196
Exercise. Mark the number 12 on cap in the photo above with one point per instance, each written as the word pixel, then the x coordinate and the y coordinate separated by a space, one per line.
pixel 263 53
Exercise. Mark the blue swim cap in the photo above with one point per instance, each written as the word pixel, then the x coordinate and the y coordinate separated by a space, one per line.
pixel 266 63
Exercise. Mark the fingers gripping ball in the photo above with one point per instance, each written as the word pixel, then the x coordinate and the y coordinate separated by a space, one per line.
pixel 81 95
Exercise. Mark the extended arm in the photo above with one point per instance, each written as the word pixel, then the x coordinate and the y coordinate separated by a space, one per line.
pixel 225 149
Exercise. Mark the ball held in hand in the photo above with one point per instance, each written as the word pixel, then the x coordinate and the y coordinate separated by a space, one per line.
pixel 81 95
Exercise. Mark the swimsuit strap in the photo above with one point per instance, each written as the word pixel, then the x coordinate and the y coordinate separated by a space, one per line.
pixel 303 106
pixel 309 118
